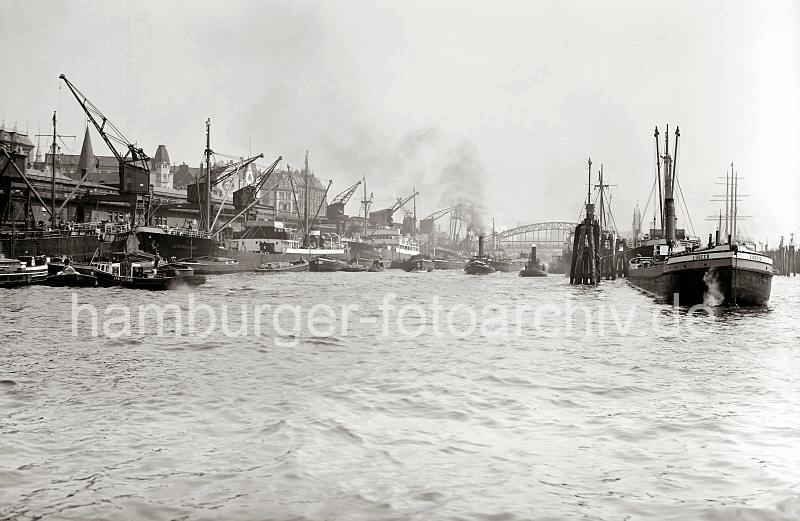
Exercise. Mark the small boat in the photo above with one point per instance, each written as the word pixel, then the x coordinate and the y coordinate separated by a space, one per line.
pixel 70 277
pixel 533 268
pixel 183 274
pixel 283 267
pixel 354 268
pixel 326 264
pixel 138 275
pixel 502 265
pixel 134 272
pixel 377 265
pixel 479 264
pixel 22 271
pixel 418 264
pixel 152 283
pixel 211 265
pixel 106 273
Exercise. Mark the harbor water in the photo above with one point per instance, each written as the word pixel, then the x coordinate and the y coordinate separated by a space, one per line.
pixel 425 396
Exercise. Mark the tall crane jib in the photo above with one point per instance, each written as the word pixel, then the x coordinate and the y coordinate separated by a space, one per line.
pixel 196 192
pixel 334 212
pixel 134 164
pixel 385 217
pixel 247 195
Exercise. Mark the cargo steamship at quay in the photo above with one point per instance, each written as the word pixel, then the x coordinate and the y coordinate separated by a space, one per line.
pixel 724 271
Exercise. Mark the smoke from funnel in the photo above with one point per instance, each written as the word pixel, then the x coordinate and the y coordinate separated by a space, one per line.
pixel 461 181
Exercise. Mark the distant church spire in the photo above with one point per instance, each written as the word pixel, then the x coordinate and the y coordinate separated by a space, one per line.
pixel 86 160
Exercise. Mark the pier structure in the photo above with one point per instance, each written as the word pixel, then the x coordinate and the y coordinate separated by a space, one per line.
pixel 585 266
pixel 608 256
pixel 785 257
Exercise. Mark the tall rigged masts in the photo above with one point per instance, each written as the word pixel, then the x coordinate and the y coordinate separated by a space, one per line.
pixel 53 177
pixel 658 182
pixel 668 218
pixel 735 202
pixel 727 201
pixel 366 202
pixel 207 209
pixel 305 195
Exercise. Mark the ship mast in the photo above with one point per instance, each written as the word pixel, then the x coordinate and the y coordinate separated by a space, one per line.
pixel 53 178
pixel 658 174
pixel 669 183
pixel 365 207
pixel 305 200
pixel 366 202
pixel 727 202
pixel 207 209
pixel 735 202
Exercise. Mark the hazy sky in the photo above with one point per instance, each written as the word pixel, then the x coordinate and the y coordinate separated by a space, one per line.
pixel 501 101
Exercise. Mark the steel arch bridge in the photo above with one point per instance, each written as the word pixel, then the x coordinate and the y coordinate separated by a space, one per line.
pixel 545 235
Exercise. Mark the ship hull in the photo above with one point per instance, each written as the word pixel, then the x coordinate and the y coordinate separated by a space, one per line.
pixel 78 246
pixel 180 246
pixel 449 264
pixel 506 266
pixel 561 264
pixel 393 256
pixel 532 272
pixel 326 265
pixel 713 279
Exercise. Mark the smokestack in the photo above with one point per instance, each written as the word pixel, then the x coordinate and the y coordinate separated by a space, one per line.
pixel 717 241
pixel 669 202
pixel 533 253
pixel 480 245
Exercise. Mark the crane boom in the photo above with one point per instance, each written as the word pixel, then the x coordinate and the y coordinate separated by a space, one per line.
pixel 247 194
pixel 134 163
pixel 196 192
pixel 401 202
pixel 438 214
pixel 334 212
pixel 345 196
pixel 250 189
pixel 219 175
pixel 384 217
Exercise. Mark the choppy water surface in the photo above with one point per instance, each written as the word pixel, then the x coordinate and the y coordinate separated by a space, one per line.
pixel 595 403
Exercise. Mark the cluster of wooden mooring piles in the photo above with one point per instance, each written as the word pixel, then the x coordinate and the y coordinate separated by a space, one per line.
pixel 786 259
pixel 586 258
pixel 598 254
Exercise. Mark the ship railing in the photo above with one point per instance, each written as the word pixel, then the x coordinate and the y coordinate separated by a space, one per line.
pixel 47 234
pixel 185 232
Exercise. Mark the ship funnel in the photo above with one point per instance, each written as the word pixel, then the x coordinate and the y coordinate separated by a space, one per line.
pixel 480 245
pixel 533 252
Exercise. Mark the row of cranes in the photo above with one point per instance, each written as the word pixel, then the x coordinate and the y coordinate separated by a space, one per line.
pixel 385 217
pixel 134 173
pixel 134 187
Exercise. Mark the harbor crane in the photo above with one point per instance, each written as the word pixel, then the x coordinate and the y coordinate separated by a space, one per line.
pixel 195 192
pixel 134 163
pixel 246 196
pixel 384 217
pixel 428 225
pixel 335 210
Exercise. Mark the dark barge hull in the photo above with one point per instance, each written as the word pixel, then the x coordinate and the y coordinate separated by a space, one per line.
pixel 722 285
pixel 176 245
pixel 79 246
